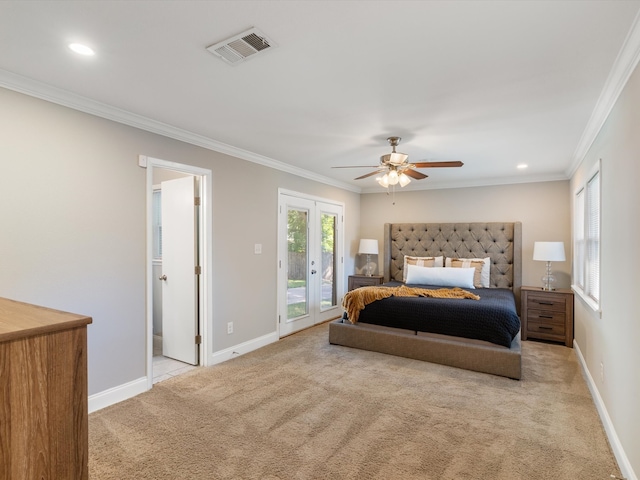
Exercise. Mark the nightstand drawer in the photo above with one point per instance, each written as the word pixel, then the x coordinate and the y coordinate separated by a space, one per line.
pixel 546 302
pixel 357 281
pixel 545 328
pixel 546 316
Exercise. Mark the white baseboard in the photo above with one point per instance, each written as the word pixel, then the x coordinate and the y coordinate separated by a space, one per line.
pixel 117 394
pixel 242 348
pixel 614 441
pixel 140 385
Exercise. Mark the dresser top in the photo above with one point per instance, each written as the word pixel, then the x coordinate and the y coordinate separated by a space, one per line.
pixel 21 320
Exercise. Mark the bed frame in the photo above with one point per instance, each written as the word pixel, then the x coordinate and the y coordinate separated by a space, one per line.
pixel 502 242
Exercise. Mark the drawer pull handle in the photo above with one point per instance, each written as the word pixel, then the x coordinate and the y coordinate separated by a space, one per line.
pixel 545 316
pixel 545 303
pixel 542 327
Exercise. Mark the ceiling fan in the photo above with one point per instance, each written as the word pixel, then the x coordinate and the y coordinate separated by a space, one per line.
pixel 397 169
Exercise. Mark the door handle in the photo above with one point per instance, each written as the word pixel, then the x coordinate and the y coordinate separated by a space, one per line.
pixel 163 277
pixel 313 272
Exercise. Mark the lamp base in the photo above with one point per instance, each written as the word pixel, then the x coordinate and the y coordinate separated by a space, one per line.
pixel 368 274
pixel 548 280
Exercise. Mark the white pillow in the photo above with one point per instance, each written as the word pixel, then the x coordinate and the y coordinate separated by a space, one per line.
pixel 483 265
pixel 421 262
pixel 445 277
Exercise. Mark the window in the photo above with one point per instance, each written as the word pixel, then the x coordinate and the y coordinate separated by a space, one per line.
pixel 586 240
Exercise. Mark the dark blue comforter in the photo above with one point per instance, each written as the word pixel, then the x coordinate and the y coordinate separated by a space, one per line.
pixel 493 318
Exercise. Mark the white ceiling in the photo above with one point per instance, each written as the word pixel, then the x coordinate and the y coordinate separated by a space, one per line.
pixel 491 83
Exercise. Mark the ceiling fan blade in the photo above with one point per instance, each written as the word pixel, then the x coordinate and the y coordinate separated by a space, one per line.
pixel 414 174
pixel 358 166
pixel 367 175
pixel 455 163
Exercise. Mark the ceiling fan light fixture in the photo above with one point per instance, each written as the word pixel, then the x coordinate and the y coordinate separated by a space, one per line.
pixel 398 170
pixel 397 158
pixel 383 181
pixel 403 179
pixel 393 177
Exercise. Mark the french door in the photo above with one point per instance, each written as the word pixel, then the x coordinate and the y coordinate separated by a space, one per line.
pixel 310 265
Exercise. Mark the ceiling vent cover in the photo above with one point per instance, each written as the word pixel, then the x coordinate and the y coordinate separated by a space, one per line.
pixel 242 46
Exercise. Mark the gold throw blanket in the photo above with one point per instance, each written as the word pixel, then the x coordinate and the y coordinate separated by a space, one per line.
pixel 355 300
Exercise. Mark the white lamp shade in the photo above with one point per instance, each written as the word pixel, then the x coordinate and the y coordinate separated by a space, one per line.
pixel 368 246
pixel 548 251
pixel 404 179
pixel 383 181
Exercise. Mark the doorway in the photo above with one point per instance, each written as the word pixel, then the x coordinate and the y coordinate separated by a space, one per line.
pixel 310 266
pixel 179 219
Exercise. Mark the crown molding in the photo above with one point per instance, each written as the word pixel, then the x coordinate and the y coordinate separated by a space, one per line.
pixel 490 182
pixel 65 98
pixel 623 67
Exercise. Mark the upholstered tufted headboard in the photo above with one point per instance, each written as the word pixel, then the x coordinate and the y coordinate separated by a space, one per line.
pixel 502 242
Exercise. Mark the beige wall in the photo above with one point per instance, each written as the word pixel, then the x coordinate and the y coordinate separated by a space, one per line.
pixel 612 340
pixel 73 212
pixel 542 208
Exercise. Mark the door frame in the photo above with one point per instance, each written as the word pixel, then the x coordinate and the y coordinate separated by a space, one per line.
pixel 281 277
pixel 205 322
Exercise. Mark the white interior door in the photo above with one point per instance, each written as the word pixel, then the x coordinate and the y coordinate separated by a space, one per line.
pixel 179 278
pixel 310 265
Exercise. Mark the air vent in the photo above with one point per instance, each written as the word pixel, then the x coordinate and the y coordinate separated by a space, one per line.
pixel 245 45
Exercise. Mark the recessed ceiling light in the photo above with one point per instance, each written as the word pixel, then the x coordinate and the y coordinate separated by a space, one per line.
pixel 522 166
pixel 81 49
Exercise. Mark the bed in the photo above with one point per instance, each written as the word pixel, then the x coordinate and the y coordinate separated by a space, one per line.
pixel 381 329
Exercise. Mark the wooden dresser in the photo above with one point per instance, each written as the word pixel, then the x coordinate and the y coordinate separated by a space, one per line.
pixel 43 393
pixel 547 315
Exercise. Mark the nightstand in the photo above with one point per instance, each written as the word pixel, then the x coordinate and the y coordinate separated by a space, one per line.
pixel 547 315
pixel 357 281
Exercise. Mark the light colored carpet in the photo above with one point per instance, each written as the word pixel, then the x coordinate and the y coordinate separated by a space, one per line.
pixel 304 409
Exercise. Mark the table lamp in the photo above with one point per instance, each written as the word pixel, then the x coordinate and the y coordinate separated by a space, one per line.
pixel 548 252
pixel 368 247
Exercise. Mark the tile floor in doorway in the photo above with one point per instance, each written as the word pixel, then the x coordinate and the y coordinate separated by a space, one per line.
pixel 164 367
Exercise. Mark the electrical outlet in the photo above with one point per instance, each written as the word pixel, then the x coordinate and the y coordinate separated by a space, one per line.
pixel 602 371
pixel 257 248
pixel 229 328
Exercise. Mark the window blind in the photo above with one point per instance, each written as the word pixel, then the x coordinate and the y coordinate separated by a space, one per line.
pixel 593 237
pixel 579 241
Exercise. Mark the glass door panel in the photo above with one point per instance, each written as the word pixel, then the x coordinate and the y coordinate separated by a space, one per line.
pixel 328 252
pixel 297 261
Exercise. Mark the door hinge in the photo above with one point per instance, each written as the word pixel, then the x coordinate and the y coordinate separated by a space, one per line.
pixel 198 339
pixel 279 319
pixel 196 201
pixel 198 269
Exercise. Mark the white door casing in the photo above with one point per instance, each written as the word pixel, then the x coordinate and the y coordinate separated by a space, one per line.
pixel 179 277
pixel 205 236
